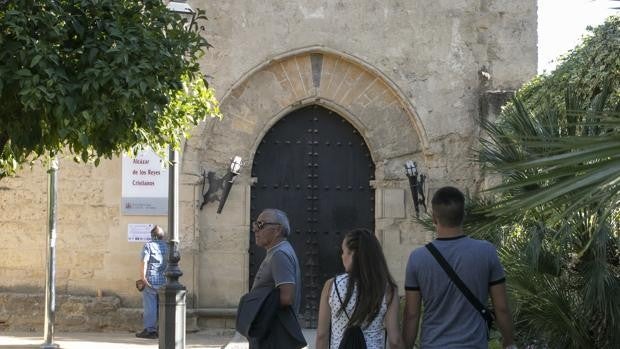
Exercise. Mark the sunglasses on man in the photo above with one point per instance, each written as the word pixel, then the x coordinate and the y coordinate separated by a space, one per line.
pixel 259 225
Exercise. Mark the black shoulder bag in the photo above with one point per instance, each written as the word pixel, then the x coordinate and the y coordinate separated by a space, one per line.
pixel 484 312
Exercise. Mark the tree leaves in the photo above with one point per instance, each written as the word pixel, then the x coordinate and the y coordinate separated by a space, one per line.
pixel 96 77
pixel 556 214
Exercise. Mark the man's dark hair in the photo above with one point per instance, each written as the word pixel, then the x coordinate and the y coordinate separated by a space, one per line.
pixel 449 206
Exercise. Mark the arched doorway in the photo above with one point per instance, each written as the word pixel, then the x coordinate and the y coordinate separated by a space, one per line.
pixel 314 165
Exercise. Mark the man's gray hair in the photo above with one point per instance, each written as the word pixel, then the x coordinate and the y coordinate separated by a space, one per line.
pixel 157 233
pixel 281 218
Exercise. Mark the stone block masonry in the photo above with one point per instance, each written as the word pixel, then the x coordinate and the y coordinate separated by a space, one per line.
pixel 25 312
pixel 405 74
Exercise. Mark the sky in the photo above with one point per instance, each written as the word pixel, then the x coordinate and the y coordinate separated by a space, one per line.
pixel 562 23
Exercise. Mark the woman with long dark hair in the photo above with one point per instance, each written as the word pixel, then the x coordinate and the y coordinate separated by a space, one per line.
pixel 365 296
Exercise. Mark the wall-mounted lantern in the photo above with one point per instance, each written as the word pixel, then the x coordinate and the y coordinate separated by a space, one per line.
pixel 181 8
pixel 233 171
pixel 215 184
pixel 416 184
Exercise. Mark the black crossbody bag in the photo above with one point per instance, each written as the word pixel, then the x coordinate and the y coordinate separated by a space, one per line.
pixel 484 312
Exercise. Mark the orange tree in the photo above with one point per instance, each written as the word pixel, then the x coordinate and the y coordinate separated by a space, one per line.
pixel 96 78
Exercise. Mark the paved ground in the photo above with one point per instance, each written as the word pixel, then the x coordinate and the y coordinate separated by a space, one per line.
pixel 115 340
pixel 124 340
pixel 239 342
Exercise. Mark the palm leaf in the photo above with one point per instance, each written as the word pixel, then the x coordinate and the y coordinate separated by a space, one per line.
pixel 543 165
pixel 556 214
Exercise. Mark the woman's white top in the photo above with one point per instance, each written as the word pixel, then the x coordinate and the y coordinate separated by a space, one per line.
pixel 374 333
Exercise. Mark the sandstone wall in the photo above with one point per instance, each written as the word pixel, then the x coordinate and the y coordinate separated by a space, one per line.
pixel 25 312
pixel 407 74
pixel 415 78
pixel 92 250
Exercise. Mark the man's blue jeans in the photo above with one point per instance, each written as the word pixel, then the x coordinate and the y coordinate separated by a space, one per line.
pixel 151 307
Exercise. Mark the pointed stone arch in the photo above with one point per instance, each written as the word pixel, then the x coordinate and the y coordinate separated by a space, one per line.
pixel 345 84
pixel 314 75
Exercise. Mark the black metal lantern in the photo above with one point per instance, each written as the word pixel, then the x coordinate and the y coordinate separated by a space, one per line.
pixel 416 184
pixel 235 167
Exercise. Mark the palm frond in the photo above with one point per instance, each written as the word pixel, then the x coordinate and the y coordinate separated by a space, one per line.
pixel 556 214
pixel 543 165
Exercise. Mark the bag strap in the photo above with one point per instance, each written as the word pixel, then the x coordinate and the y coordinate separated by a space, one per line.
pixel 459 283
pixel 345 313
pixel 330 318
pixel 340 299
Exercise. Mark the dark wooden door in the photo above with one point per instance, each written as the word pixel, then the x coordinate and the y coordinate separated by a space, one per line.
pixel 315 166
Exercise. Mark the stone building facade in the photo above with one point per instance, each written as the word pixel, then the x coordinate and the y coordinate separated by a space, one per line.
pixel 411 77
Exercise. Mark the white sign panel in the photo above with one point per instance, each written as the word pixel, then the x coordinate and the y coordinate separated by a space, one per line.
pixel 145 185
pixel 139 232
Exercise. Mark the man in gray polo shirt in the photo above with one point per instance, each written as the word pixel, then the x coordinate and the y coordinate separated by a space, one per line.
pixel 280 267
pixel 450 320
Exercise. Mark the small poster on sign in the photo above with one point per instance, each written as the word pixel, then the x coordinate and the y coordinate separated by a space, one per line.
pixel 139 232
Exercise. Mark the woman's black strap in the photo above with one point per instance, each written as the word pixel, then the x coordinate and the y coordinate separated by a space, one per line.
pixel 340 299
pixel 347 314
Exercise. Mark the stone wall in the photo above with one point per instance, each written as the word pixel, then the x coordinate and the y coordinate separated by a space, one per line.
pixel 411 76
pixel 92 251
pixel 25 312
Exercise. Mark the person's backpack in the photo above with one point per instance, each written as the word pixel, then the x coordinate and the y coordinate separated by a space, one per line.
pixel 353 337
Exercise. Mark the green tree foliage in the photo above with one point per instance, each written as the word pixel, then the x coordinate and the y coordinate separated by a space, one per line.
pixel 556 214
pixel 556 220
pixel 586 69
pixel 97 78
pixel 559 140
